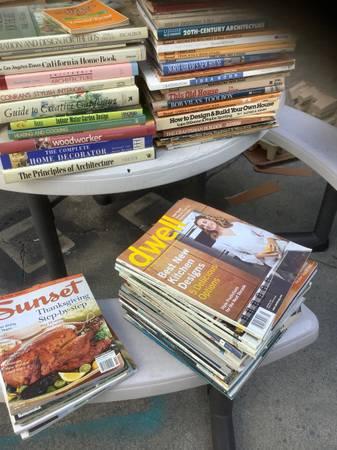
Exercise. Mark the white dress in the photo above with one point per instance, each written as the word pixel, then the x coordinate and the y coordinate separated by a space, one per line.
pixel 246 242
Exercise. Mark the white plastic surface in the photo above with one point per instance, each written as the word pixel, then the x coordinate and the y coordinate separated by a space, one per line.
pixel 168 167
pixel 309 139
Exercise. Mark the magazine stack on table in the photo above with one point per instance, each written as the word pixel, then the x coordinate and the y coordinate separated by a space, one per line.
pixel 213 70
pixel 56 353
pixel 213 290
pixel 68 100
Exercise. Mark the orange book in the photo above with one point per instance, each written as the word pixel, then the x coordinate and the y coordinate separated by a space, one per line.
pixel 91 15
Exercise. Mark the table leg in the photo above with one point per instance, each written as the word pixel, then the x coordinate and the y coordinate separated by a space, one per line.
pixel 318 239
pixel 44 224
pixel 221 420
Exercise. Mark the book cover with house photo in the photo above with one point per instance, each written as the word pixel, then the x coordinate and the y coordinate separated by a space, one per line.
pixel 233 270
pixel 56 349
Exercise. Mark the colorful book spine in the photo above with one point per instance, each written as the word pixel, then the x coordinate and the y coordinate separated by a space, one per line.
pixel 225 87
pixel 59 154
pixel 70 167
pixel 131 53
pixel 34 133
pixel 211 63
pixel 215 28
pixel 91 101
pixel 67 120
pixel 21 94
pixel 86 137
pixel 214 41
pixel 75 75
pixel 267 107
pixel 157 106
pixel 129 34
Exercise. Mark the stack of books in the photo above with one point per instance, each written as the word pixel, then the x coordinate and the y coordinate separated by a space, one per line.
pixel 213 71
pixel 69 102
pixel 213 290
pixel 56 353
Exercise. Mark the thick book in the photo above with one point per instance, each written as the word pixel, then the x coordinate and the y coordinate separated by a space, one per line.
pixel 56 349
pixel 216 264
pixel 73 152
pixel 131 53
pixel 79 74
pixel 64 140
pixel 26 27
pixel 90 15
pixel 76 118
pixel 83 102
pixel 94 124
pixel 30 173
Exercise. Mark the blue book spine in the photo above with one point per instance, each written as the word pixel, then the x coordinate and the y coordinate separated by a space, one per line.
pixel 216 97
pixel 217 78
pixel 134 68
pixel 58 154
pixel 214 28
pixel 170 68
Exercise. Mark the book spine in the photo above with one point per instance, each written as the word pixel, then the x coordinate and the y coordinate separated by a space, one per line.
pixel 225 87
pixel 64 40
pixel 75 128
pixel 211 63
pixel 227 41
pixel 131 53
pixel 217 52
pixel 18 95
pixel 157 106
pixel 71 167
pixel 80 74
pixel 216 28
pixel 89 137
pixel 215 105
pixel 213 115
pixel 67 120
pixel 59 154
pixel 90 101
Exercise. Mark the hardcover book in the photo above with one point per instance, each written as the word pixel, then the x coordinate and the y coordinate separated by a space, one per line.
pixel 55 348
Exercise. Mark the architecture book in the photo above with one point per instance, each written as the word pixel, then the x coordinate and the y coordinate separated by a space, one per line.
pixel 56 351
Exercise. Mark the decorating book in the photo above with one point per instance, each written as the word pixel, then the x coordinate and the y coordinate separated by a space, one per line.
pixel 56 352
pixel 91 15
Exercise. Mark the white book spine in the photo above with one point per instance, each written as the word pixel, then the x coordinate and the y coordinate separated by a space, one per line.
pixel 131 53
pixel 28 93
pixel 57 40
pixel 213 115
pixel 209 43
pixel 85 102
pixel 83 165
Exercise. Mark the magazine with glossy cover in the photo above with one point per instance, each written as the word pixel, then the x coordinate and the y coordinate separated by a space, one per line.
pixel 55 345
pixel 218 264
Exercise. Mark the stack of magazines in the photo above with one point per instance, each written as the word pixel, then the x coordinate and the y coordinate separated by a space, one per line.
pixel 213 290
pixel 213 70
pixel 68 101
pixel 56 353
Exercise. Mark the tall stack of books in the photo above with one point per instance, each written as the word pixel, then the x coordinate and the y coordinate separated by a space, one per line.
pixel 213 290
pixel 213 71
pixel 56 352
pixel 68 101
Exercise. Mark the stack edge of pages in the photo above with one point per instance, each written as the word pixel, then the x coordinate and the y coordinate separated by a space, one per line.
pixel 56 353
pixel 213 290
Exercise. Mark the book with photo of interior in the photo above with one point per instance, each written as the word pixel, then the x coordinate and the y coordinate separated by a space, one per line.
pixel 56 350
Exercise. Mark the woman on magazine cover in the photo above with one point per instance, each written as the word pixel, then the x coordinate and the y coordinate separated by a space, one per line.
pixel 248 243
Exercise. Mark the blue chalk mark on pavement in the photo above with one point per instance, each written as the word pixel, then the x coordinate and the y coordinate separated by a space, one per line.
pixel 135 425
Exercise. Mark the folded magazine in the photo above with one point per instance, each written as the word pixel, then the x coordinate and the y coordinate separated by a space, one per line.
pixel 56 352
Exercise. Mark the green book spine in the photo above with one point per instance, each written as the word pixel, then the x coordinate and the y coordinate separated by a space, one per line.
pixel 75 128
